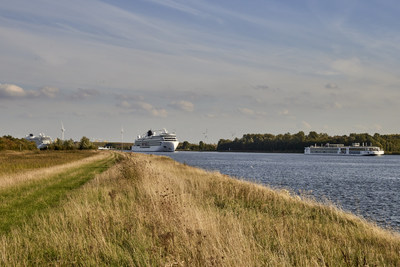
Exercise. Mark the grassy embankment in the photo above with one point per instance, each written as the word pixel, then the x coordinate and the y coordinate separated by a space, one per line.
pixel 152 211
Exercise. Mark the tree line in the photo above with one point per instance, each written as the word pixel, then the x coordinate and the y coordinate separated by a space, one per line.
pixel 186 146
pixel 70 144
pixel 8 142
pixel 296 142
pixel 287 142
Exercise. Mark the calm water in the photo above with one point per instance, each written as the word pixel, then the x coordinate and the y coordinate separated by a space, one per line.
pixel 367 186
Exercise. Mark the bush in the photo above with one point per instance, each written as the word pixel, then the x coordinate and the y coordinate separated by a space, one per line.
pixel 10 143
pixel 85 144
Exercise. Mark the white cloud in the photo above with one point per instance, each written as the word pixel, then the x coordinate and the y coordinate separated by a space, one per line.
pixel 246 111
pixel 183 105
pixel 152 110
pixel 15 91
pixel 125 104
pixel 11 91
pixel 50 92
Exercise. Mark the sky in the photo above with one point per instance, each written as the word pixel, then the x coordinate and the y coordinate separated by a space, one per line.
pixel 207 70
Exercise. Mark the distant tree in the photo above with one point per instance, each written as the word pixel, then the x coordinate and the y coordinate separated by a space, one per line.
pixel 201 145
pixel 301 137
pixel 296 142
pixel 57 145
pixel 313 136
pixel 69 144
pixel 8 142
pixel 85 143
pixel 185 145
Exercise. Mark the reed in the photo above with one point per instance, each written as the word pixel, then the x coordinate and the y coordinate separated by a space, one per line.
pixel 152 211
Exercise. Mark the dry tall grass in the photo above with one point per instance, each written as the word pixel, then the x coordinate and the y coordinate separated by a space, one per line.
pixel 152 211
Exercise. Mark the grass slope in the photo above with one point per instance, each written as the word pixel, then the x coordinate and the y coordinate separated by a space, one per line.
pixel 152 211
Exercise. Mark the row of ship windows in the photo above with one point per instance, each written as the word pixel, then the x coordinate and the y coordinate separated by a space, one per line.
pixel 331 150
pixel 162 139
pixel 148 144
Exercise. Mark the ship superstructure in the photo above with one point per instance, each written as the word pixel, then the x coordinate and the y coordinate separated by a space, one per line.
pixel 156 141
pixel 41 140
pixel 339 149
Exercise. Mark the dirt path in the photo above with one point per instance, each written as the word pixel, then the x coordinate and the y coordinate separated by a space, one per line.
pixel 18 203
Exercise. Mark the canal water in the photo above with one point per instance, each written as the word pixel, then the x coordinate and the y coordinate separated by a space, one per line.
pixel 366 186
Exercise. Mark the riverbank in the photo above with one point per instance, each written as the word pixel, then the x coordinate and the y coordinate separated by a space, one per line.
pixel 149 210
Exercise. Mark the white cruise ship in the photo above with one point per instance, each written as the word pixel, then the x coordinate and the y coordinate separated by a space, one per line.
pixel 156 141
pixel 41 141
pixel 340 149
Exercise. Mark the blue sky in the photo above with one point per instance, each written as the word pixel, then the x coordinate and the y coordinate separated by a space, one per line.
pixel 205 69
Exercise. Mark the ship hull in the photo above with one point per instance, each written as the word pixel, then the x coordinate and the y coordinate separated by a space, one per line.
pixel 343 154
pixel 164 147
pixel 344 151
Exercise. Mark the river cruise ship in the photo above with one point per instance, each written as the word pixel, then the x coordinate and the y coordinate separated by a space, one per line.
pixel 156 141
pixel 339 149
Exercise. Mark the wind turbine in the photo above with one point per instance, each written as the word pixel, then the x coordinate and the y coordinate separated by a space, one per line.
pixel 233 134
pixel 122 138
pixel 205 135
pixel 62 131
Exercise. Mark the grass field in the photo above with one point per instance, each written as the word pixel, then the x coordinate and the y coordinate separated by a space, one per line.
pixel 151 211
pixel 12 162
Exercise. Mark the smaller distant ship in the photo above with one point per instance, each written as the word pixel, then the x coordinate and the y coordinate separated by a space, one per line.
pixel 156 141
pixel 339 149
pixel 104 148
pixel 41 140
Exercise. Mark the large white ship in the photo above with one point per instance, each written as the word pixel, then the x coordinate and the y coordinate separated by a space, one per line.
pixel 41 140
pixel 156 141
pixel 339 149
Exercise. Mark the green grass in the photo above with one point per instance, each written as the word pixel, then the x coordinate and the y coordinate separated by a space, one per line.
pixel 19 203
pixel 12 162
